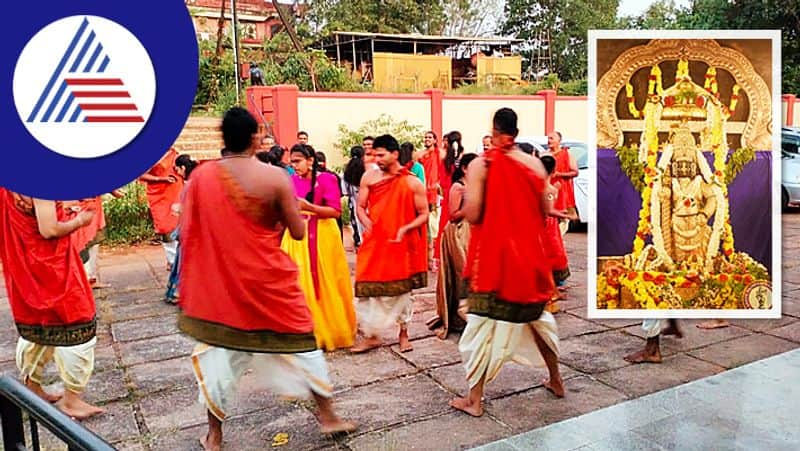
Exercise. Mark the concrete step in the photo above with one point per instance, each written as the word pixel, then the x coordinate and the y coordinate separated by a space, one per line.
pixel 201 133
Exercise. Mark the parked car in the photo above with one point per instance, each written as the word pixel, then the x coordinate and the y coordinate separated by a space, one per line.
pixel 790 167
pixel 580 152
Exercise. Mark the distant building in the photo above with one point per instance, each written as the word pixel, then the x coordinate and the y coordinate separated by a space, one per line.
pixel 258 19
pixel 414 62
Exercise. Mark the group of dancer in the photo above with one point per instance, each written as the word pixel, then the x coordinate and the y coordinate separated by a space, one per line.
pixel 260 272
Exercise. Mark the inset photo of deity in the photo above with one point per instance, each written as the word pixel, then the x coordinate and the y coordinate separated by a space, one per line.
pixel 687 221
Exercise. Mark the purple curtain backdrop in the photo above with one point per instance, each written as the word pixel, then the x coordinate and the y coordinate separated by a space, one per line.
pixel 750 197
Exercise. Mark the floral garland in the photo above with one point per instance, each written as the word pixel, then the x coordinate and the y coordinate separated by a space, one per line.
pixel 629 164
pixel 650 147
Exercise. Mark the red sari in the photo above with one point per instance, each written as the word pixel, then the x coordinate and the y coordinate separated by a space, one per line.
pixel 161 196
pixel 239 290
pixel 510 275
pixel 554 249
pixel 384 268
pixel 50 297
pixel 444 212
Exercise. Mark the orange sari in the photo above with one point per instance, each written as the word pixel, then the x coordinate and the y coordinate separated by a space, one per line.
pixel 510 275
pixel 50 297
pixel 384 268
pixel 239 290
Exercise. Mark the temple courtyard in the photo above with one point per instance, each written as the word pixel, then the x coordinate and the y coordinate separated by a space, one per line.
pixel 143 377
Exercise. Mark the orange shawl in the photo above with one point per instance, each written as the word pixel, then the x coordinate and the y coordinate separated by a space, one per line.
pixel 431 163
pixel 384 268
pixel 566 192
pixel 506 260
pixel 85 235
pixel 50 296
pixel 161 196
pixel 238 288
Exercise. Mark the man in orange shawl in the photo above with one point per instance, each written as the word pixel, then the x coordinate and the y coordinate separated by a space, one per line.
pixel 510 277
pixel 392 259
pixel 88 239
pixel 431 160
pixel 240 295
pixel 164 187
pixel 566 170
pixel 50 298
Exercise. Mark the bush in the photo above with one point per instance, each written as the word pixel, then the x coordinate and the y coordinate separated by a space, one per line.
pixel 216 87
pixel 128 218
pixel 402 130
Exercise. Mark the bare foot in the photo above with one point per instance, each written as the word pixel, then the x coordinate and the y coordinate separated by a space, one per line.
pixel 211 442
pixel 337 427
pixel 365 345
pixel 405 344
pixel 555 386
pixel 713 324
pixel 644 356
pixel 49 397
pixel 466 406
pixel 77 408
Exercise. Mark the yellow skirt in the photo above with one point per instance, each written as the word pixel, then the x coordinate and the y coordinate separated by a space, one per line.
pixel 332 308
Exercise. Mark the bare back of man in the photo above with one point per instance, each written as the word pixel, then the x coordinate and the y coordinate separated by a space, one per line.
pixel 271 185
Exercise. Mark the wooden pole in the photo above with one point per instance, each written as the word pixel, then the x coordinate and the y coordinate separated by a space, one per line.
pixel 235 28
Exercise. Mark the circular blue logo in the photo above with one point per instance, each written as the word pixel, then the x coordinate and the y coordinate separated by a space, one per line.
pixel 97 93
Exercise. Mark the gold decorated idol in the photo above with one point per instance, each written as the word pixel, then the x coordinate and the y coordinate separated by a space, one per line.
pixel 683 251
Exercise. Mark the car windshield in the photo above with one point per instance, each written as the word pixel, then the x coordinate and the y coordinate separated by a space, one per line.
pixel 789 144
pixel 580 152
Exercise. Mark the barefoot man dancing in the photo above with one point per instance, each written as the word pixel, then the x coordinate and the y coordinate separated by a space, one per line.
pixel 393 258
pixel 240 295
pixel 510 277
pixel 653 329
pixel 50 296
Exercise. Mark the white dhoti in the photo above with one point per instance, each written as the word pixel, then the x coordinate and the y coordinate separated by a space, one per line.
pixel 91 265
pixel 486 344
pixel 652 327
pixel 218 370
pixel 75 363
pixel 378 314
pixel 171 249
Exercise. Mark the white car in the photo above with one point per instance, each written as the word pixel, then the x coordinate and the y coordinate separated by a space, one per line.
pixel 580 152
pixel 790 167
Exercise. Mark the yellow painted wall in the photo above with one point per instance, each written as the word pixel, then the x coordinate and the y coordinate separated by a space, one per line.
pixel 321 117
pixel 473 117
pixel 509 66
pixel 396 72
pixel 572 119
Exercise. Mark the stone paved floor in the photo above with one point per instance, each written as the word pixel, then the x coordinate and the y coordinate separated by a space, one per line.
pixel 143 376
pixel 695 416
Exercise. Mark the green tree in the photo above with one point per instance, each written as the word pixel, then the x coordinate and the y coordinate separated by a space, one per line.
pixel 660 15
pixel 471 17
pixel 567 21
pixel 376 16
pixel 755 14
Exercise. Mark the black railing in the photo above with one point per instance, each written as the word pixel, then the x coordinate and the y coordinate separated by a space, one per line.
pixel 16 398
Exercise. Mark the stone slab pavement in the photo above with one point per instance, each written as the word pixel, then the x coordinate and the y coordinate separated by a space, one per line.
pixel 143 376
